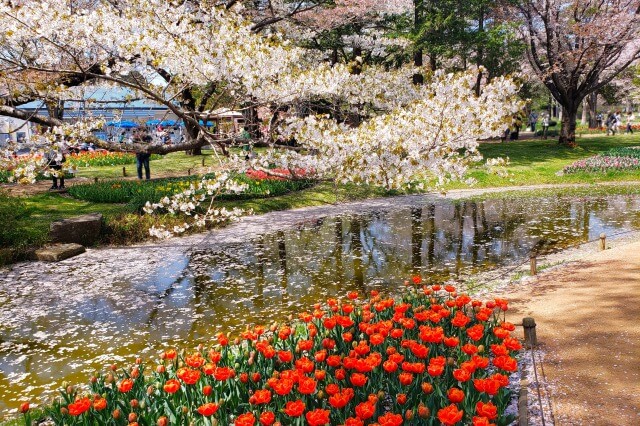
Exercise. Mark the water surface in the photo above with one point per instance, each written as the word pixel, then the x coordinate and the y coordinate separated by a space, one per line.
pixel 62 321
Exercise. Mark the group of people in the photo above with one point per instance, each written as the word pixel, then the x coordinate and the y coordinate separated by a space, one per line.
pixel 513 132
pixel 161 135
pixel 614 122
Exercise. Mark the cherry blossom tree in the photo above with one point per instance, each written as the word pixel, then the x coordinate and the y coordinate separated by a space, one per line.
pixel 194 57
pixel 575 47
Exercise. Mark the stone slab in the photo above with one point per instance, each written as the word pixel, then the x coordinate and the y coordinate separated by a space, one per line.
pixel 58 252
pixel 83 230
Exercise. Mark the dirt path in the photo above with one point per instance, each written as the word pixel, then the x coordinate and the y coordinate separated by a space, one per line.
pixel 587 315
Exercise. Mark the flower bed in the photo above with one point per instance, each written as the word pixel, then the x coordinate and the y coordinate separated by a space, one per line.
pixel 585 130
pixel 430 357
pixel 102 158
pixel 613 160
pixel 8 175
pixel 274 174
pixel 137 193
pixel 632 152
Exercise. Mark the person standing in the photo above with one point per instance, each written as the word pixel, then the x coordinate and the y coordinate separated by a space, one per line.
pixel 611 124
pixel 246 143
pixel 629 128
pixel 517 124
pixel 533 121
pixel 55 158
pixel 545 125
pixel 143 158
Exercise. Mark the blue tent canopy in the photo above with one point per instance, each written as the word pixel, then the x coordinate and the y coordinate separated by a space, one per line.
pixel 122 124
pixel 209 123
pixel 164 123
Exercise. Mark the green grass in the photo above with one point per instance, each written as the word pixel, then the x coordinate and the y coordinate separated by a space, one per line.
pixel 578 191
pixel 535 162
pixel 41 210
pixel 176 163
pixel 48 207
pixel 321 194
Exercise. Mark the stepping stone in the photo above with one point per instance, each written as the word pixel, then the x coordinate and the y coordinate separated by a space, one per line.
pixel 58 252
pixel 84 230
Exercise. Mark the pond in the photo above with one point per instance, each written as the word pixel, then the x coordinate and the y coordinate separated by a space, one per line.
pixel 60 322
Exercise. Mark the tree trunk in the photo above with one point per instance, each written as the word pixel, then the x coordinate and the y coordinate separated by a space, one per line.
pixel 585 109
pixel 418 78
pixel 568 129
pixel 480 51
pixel 592 100
pixel 192 133
pixel 55 109
pixel 251 121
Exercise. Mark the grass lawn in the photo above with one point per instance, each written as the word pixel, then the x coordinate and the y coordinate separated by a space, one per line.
pixel 48 207
pixel 534 162
pixel 176 163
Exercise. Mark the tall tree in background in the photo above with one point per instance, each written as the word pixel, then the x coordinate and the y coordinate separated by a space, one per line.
pixel 576 47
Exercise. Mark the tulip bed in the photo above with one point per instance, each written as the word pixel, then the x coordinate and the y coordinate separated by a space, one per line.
pixel 627 158
pixel 102 158
pixel 137 193
pixel 429 357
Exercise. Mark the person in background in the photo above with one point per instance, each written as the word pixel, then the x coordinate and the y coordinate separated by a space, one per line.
pixel 630 118
pixel 246 143
pixel 517 124
pixel 142 158
pixel 533 121
pixel 611 124
pixel 545 125
pixel 121 137
pixel 55 158
pixel 505 135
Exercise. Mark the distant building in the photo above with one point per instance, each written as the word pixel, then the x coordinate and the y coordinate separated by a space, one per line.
pixel 122 114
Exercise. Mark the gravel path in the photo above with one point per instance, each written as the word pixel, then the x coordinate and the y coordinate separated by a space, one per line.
pixel 586 312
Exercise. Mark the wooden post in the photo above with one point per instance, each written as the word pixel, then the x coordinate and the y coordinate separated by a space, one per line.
pixel 523 417
pixel 530 339
pixel 124 171
pixel 202 161
pixel 603 241
pixel 533 264
pixel 189 172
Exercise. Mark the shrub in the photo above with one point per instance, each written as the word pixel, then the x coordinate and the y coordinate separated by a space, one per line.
pixel 429 357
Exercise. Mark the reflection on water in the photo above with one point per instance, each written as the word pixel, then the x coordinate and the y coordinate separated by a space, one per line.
pixel 72 331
